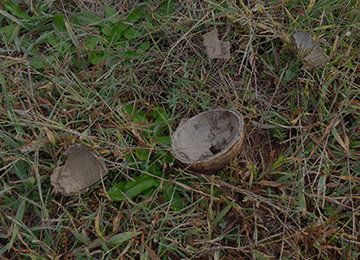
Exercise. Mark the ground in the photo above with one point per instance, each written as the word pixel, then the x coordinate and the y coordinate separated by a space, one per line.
pixel 120 76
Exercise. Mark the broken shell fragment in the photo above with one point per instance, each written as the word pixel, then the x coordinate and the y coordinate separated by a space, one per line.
pixel 209 141
pixel 81 170
pixel 215 48
pixel 311 53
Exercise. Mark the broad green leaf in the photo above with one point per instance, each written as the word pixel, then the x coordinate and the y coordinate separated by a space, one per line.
pixel 92 42
pixel 160 112
pixel 112 15
pixel 166 140
pixel 142 154
pixel 59 23
pixel 139 187
pixel 122 237
pixel 163 155
pixel 43 62
pixel 87 18
pixel 117 31
pixel 81 237
pixel 131 34
pixel 135 114
pixel 182 28
pixel 14 19
pixel 171 195
pixel 155 168
pixel 136 15
pixel 144 46
pixel 72 34
pixel 129 110
pixel 40 21
pixel 355 144
pixel 40 24
pixel 130 53
pixel 99 57
pixel 5 248
pixel 161 117
pixel 167 7
pixel 105 29
pixel 9 32
pixel 44 7
pixel 16 11
pixel 19 217
pixel 158 127
pixel 221 215
pixel 144 165
pixel 121 46
pixel 115 191
pixel 20 168
pixel 149 192
pixel 79 63
pixel 131 188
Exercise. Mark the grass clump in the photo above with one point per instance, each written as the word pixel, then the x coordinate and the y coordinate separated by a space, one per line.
pixel 119 77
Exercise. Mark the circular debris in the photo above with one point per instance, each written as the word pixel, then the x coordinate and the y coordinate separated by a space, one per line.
pixel 209 141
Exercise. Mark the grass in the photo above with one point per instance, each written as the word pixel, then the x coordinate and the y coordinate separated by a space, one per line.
pixel 69 69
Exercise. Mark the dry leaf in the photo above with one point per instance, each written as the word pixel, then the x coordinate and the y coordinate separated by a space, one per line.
pixel 311 53
pixel 258 8
pixel 50 135
pixel 215 48
pixel 81 170
pixel 344 144
pixel 348 178
pixel 274 183
pixel 148 249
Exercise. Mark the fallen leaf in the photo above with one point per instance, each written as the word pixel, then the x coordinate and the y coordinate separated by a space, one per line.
pixel 274 183
pixel 348 178
pixel 215 48
pixel 311 53
pixel 344 144
pixel 50 135
pixel 148 249
pixel 81 170
pixel 97 225
pixel 258 8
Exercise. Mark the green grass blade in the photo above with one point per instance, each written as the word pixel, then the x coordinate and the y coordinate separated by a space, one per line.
pixel 19 217
pixel 14 19
pixel 122 237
